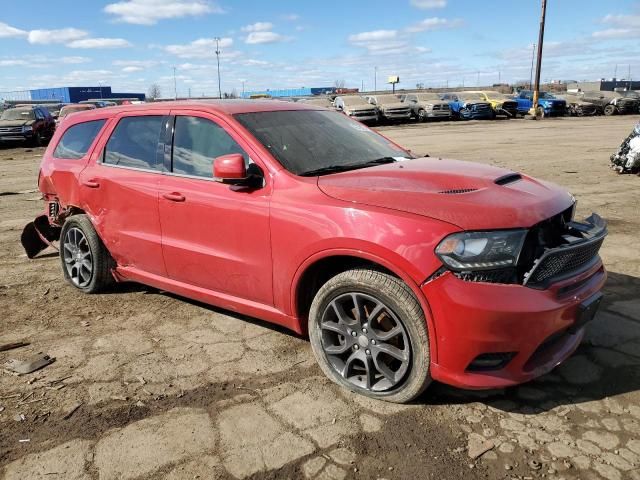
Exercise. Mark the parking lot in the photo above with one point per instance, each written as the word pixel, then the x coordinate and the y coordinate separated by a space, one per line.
pixel 148 385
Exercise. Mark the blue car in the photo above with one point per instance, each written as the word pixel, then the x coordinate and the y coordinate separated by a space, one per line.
pixel 551 105
pixel 468 106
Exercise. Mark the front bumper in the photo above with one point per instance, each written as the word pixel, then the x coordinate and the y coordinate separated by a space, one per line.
pixel 16 137
pixel 397 115
pixel 473 319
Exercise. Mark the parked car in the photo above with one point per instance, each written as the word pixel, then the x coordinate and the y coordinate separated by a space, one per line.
pixel 319 102
pixel 98 103
pixel 32 124
pixel 73 108
pixel 633 94
pixel 502 105
pixel 577 107
pixel 389 107
pixel 356 107
pixel 426 106
pixel 612 103
pixel 53 108
pixel 468 106
pixel 400 269
pixel 549 103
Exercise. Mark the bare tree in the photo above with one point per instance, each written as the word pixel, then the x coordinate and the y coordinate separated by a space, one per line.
pixel 339 84
pixel 154 92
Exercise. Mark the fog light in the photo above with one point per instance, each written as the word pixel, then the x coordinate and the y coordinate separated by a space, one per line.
pixel 490 361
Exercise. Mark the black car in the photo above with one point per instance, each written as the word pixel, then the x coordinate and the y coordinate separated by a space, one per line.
pixel 32 124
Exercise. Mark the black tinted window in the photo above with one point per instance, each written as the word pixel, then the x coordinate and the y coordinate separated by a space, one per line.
pixel 76 140
pixel 197 141
pixel 135 143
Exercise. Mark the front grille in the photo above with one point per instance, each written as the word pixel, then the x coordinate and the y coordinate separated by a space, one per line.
pixel 10 129
pixel 481 108
pixel 399 111
pixel 364 113
pixel 441 108
pixel 563 260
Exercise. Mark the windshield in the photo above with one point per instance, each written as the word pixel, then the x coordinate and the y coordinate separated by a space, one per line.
pixel 387 99
pixel 76 108
pixel 354 101
pixel 306 141
pixel 548 95
pixel 471 96
pixel 428 96
pixel 17 114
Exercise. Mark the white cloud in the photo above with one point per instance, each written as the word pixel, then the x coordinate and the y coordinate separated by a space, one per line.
pixel 616 33
pixel 258 27
pixel 373 36
pixel 258 38
pixel 622 26
pixel 7 31
pixel 75 60
pixel 435 23
pixel 13 62
pixel 631 21
pixel 292 17
pixel 99 43
pixel 63 35
pixel 132 69
pixel 380 42
pixel 136 63
pixel 203 47
pixel 427 4
pixel 149 12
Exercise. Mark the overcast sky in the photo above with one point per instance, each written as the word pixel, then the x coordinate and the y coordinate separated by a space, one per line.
pixel 130 44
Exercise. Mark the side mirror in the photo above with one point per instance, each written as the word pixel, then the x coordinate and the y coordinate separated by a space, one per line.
pixel 230 169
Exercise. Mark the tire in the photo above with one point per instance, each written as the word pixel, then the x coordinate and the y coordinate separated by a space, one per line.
pixel 422 115
pixel 407 374
pixel 610 110
pixel 37 139
pixel 98 277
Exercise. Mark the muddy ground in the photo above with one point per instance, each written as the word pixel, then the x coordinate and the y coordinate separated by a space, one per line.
pixel 147 385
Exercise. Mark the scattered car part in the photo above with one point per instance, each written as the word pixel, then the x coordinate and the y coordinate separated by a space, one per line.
pixel 12 346
pixel 32 364
pixel 627 158
pixel 38 235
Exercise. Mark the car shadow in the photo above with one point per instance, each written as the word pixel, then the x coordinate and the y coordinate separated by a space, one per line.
pixel 606 364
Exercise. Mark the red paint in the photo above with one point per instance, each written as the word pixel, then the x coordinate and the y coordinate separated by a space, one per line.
pixel 246 250
pixel 229 167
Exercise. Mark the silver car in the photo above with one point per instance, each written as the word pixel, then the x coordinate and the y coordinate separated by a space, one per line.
pixel 425 106
pixel 389 107
pixel 356 107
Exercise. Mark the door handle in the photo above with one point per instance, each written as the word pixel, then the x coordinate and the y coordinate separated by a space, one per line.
pixel 93 183
pixel 174 196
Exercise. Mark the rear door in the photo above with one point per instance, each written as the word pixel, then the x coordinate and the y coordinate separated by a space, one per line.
pixel 214 236
pixel 120 189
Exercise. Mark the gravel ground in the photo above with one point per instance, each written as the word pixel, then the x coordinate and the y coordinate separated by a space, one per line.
pixel 148 385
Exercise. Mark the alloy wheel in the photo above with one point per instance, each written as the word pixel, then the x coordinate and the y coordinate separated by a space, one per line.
pixel 365 342
pixel 77 257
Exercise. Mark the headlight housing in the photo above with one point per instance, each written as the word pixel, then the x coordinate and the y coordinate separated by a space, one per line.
pixel 474 251
pixel 27 128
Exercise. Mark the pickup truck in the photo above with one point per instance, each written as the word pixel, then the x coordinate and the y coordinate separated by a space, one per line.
pixel 551 106
pixel 468 106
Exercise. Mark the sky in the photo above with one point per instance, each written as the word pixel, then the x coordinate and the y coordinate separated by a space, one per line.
pixel 132 44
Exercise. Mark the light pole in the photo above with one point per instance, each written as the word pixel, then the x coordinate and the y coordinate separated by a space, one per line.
pixel 243 82
pixel 218 61
pixel 375 79
pixel 175 85
pixel 536 90
pixel 100 88
pixel 533 54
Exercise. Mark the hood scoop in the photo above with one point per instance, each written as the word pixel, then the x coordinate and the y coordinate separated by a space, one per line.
pixel 507 179
pixel 457 191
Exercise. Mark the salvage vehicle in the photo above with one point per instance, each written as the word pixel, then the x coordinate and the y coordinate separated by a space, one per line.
pixel 73 108
pixel 427 106
pixel 400 269
pixel 356 107
pixel 548 104
pixel 32 124
pixel 318 102
pixel 389 108
pixel 468 106
pixel 626 159
pixel 502 105
pixel 612 103
pixel 577 107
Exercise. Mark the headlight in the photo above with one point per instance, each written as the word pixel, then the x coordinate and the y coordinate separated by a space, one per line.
pixel 429 106
pixel 27 128
pixel 468 251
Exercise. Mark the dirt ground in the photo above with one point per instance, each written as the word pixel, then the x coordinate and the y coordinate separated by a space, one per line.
pixel 148 385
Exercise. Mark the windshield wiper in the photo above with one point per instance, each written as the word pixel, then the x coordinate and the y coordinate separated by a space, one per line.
pixel 347 167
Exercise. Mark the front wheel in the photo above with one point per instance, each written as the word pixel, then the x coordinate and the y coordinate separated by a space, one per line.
pixel 422 115
pixel 609 110
pixel 369 334
pixel 86 263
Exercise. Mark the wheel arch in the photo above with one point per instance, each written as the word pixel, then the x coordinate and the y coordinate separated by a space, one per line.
pixel 322 266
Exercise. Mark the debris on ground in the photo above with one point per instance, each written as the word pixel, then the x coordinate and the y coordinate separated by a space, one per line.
pixel 32 364
pixel 627 157
pixel 12 346
pixel 478 446
pixel 72 410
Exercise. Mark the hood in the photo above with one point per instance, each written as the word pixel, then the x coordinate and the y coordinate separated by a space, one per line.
pixel 15 123
pixel 464 194
pixel 360 108
pixel 471 103
pixel 393 105
pixel 433 102
pixel 552 101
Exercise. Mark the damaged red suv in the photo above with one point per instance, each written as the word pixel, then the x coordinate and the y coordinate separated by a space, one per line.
pixel 400 269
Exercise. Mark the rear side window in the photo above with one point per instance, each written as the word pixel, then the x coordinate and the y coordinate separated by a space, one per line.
pixel 196 142
pixel 75 142
pixel 135 143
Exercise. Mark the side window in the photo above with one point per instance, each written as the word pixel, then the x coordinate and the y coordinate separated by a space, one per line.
pixel 196 142
pixel 135 143
pixel 38 114
pixel 75 142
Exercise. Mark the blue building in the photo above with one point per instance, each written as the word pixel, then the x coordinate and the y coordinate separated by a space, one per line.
pixel 78 94
pixel 291 92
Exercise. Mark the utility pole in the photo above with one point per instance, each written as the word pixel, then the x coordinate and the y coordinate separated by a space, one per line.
pixel 536 91
pixel 615 72
pixel 217 39
pixel 478 81
pixel 375 79
pixel 362 86
pixel 533 54
pixel 175 85
pixel 243 82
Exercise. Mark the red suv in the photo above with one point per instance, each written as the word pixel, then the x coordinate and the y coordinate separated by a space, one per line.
pixel 400 269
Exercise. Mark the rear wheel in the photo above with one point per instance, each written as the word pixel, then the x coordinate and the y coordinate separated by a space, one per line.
pixel 610 110
pixel 369 334
pixel 422 115
pixel 86 263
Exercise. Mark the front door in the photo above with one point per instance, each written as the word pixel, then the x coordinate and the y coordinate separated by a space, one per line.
pixel 214 236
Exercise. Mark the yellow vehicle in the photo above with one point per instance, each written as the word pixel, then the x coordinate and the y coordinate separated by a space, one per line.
pixel 257 96
pixel 502 105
